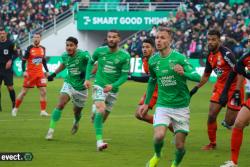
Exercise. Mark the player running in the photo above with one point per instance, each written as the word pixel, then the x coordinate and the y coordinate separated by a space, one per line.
pixel 243 117
pixel 112 72
pixel 75 61
pixel 33 74
pixel 222 61
pixel 170 70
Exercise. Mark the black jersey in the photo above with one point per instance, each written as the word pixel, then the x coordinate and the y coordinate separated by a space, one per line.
pixel 7 50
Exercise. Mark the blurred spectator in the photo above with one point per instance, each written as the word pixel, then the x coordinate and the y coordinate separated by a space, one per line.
pixel 20 17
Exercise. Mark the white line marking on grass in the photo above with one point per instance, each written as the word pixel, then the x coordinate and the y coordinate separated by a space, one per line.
pixel 46 119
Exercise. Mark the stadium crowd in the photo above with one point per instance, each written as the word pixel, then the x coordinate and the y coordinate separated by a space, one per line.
pixel 191 23
pixel 20 17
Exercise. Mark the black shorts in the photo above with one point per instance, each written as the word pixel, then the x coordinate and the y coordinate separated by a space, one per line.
pixel 7 77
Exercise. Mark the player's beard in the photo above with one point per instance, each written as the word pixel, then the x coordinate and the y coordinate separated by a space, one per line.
pixel 212 48
pixel 36 43
pixel 112 45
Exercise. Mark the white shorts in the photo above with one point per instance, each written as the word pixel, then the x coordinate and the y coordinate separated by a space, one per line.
pixel 109 98
pixel 78 97
pixel 247 86
pixel 179 117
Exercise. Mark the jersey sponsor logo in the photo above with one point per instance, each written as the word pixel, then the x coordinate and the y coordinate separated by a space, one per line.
pixel 37 60
pixel 109 69
pixel 168 81
pixel 74 71
pixel 5 51
pixel 218 71
pixel 164 71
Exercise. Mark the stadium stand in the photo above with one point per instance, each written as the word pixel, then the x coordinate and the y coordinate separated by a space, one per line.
pixel 21 17
pixel 192 22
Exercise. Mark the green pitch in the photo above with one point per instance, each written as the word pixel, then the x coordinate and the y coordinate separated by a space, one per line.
pixel 130 140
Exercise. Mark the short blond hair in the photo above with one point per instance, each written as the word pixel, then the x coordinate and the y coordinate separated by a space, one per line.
pixel 166 29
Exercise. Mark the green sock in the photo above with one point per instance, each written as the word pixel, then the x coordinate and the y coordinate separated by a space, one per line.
pixel 158 146
pixel 179 154
pixel 98 125
pixel 77 117
pixel 56 115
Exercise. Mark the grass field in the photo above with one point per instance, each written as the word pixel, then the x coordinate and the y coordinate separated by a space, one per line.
pixel 130 140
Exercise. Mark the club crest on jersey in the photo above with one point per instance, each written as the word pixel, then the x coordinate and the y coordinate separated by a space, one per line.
pixel 117 61
pixel 5 51
pixel 219 60
pixel 218 71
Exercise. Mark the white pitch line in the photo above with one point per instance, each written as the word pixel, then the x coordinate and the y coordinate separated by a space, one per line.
pixel 45 119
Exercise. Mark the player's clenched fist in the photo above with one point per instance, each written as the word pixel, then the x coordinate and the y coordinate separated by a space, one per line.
pixel 87 84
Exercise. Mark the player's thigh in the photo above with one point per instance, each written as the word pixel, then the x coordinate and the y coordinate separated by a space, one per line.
pixel 77 109
pixel 180 118
pixel 98 94
pixel 216 93
pixel 41 81
pixel 243 117
pixel 110 101
pixel 65 94
pixel 161 117
pixel 29 82
pixel 63 100
pixel 8 78
pixel 79 98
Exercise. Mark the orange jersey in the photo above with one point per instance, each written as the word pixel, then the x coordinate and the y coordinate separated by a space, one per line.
pixel 34 57
pixel 222 63
pixel 146 69
pixel 145 64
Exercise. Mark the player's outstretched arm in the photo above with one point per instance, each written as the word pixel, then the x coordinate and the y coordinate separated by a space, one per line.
pixel 58 70
pixel 45 66
pixel 202 82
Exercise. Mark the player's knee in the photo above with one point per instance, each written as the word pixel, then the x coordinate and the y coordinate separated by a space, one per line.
pixel 211 118
pixel 43 93
pixel 159 136
pixel 100 108
pixel 61 105
pixel 239 125
pixel 10 88
pixel 179 145
pixel 23 93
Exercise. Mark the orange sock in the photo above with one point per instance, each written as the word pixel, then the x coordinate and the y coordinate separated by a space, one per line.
pixel 212 128
pixel 18 103
pixel 236 140
pixel 43 105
